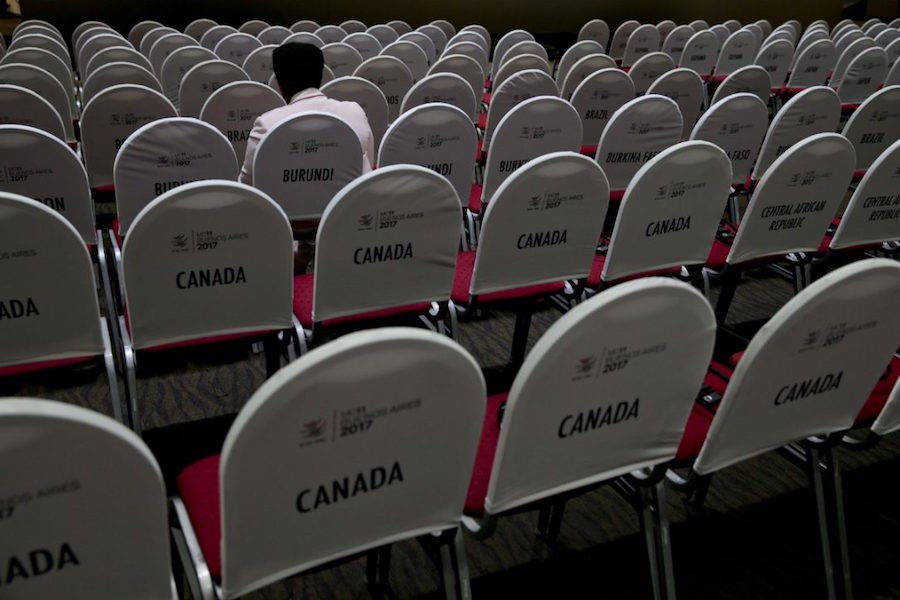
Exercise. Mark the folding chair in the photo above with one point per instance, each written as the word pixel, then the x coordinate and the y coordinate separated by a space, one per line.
pixel 258 64
pixel 417 490
pixel 812 111
pixel 648 68
pixel 788 214
pixel 643 40
pixel 620 39
pixel 50 314
pixel 401 27
pixel 873 127
pixel 797 387
pixel 738 51
pixel 163 48
pixel 582 69
pixel 862 78
pixel 364 43
pixel 45 85
pixel 506 42
pixel 700 53
pixel 443 88
pixel 234 107
pixel 274 34
pixel 201 80
pixel 97 465
pixel 304 26
pixel 668 217
pixel 216 34
pixel 391 76
pixel 467 68
pixel 676 41
pixel 177 65
pixel 305 37
pixel 330 33
pixel 596 99
pixel 572 55
pixel 411 55
pixel 589 408
pixel 151 37
pixel 539 230
pixel 107 121
pixel 812 66
pixel 304 160
pixel 517 88
pixel 437 37
pixel 117 74
pixel 384 34
pixel 753 79
pixel 115 54
pixel 253 27
pixel 24 107
pixel 226 255
pixel 775 57
pixel 635 133
pixel 139 30
pixel 50 63
pixel 596 30
pixel 198 27
pixel 686 88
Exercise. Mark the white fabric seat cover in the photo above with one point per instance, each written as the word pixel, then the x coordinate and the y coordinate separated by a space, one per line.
pixel 813 65
pixel 177 65
pixel 582 69
pixel 622 375
pixel 304 26
pixel 775 57
pixel 41 41
pixel 735 124
pixel 235 47
pixel 648 68
pixel 367 95
pixel 216 34
pixel 364 43
pixel 738 51
pixel 411 55
pixel 304 160
pixel 874 126
pixel 304 37
pixel 47 290
pixel 437 37
pixel 352 26
pixel 117 74
pixel 596 30
pixel 205 259
pixel 150 38
pixel 233 108
pixel 139 30
pixel 50 63
pixel 201 80
pixel 107 121
pixel 99 472
pixel 40 166
pixel 848 55
pixel 164 46
pixel 330 33
pixel 686 88
pixel 253 27
pixel 524 47
pixel 258 64
pixel 620 38
pixel 576 52
pixel 445 88
pixel 637 132
pixel 700 53
pixel 888 420
pixel 676 41
pixel 796 199
pixel 752 79
pixel 809 370
pixel 21 106
pixel 517 64
pixel 391 76
pixel 42 83
pixel 341 58
pixel 597 98
pixel 198 27
pixel 863 76
pixel 274 34
pixel 468 37
pixel 517 88
pixel 401 27
pixel 424 42
pixel 384 34
pixel 643 40
pixel 464 66
pixel 470 49
pixel 115 54
pixel 506 42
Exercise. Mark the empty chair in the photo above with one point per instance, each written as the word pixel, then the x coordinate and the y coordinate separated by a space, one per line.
pixel 22 106
pixel 104 127
pixel 676 41
pixel 91 33
pixel 620 38
pixel 304 160
pixel 847 56
pixel 738 51
pixel 117 74
pixel 234 107
pixel 812 111
pixel 775 57
pixel 517 64
pixel 807 40
pixel 384 34
pixel 304 37
pixel 648 68
pixel 844 41
pixel 50 63
pixel 164 46
pixel 149 39
pixel 83 27
pixel 226 257
pixel 517 88
pixel 813 66
pixel 887 36
pixel 873 127
pixel 304 26
pixel 69 554
pixel 253 27
pixel 582 69
pixel 665 27
pixel 893 75
pixel 235 47
pixel 445 26
pixel 863 76
pixel 41 167
pixel 139 30
pixel 341 58
pixel 248 540
pixel 412 55
pixel 274 34
pixel 258 64
pixel 391 76
pixel 44 42
pixel 643 40
pixel 422 41
pixel 399 26
pixel 368 96
pixel 471 50
pixel 596 30
pixel 51 317
pixel 686 88
pixel 364 43
pixel 637 132
pixel 596 99
pixel 43 84
pixel 506 42
pixel 753 79
pixel 216 34
pixel 572 55
pixel 201 80
pixel 198 27
pixel 722 33
pixel 464 66
pixel 736 124
pixel 471 37
pixel 353 26
pixel 176 67
pixel 115 54
pixel 524 47
pixel 445 88
pixel 330 33
pixel 700 53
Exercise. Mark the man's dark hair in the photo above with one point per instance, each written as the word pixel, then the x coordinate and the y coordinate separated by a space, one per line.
pixel 297 66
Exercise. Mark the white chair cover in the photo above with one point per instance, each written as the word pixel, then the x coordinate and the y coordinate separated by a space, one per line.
pixel 367 95
pixel 21 106
pixel 597 98
pixel 391 76
pixel 176 67
pixel 735 124
pixel 201 80
pixel 686 88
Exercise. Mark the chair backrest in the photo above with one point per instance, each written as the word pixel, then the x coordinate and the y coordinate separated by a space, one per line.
pixel 473 51
pixel 150 38
pixel 437 37
pixel 401 27
pixel 437 136
pixel 809 370
pixel 54 529
pixel 516 89
pixel 115 54
pixel 752 78
pixel 686 88
pixel 107 121
pixel 21 106
pixel 775 57
pixel 304 160
pixel 572 55
pixel 596 30
pixel 464 66
pixel 812 111
pixel 387 239
pixel 637 132
pixel 700 53
pixel 446 88
pixel 365 44
pixel 505 43
pixel 738 51
pixel 887 36
pixel 330 33
pixel 699 25
pixel 722 33
pixel 48 298
pixel 258 64
pixel 422 41
pixel 643 40
pixel 40 166
pixel 470 37
pixel 164 46
pixel 445 26
pixel 888 420
pixel 665 27
pixel 89 34
pixel 274 34
pixel 648 68
pixel 874 126
pixel 893 74
pixel 597 98
pixel 542 224
pixel 807 40
pixel 50 63
pixel 216 34
pixel 41 41
pixel 411 54
pixel 198 27
pixel 304 37
pixel 83 28
pixel 304 26
pixel 343 59
pixel 367 95
pixel 44 84
pixel 253 27
pixel 676 41
pixel 139 30
pixel 533 128
pixel 670 211
pixel 206 259
pixel 201 80
pixel 813 65
pixel 352 26
pixel 390 75
pixel 863 76
pixel 524 47
pixel 585 362
pixel 234 107
pixel 582 69
pixel 177 65
pixel 235 47
pixel 732 25
pixel 407 475
pixel 522 62
pixel 796 199
pixel 735 124
pixel 847 56
pixel 873 214
pixel 620 38
pixel 117 74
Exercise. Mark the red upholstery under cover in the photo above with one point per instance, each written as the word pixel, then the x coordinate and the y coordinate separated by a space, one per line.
pixel 22 369
pixel 597 268
pixel 465 263
pixel 198 486
pixel 484 457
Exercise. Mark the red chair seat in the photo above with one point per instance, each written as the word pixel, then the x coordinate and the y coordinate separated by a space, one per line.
pixel 718 254
pixel 115 230
pixel 701 416
pixel 879 396
pixel 462 281
pixel 198 486
pixel 484 457
pixel 479 152
pixel 616 195
pixel 482 121
pixel 24 368
pixel 475 197
pixel 303 301
pixel 486 99
pixel 597 268
pixel 589 151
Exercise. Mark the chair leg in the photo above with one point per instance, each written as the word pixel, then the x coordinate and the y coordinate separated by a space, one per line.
pixel 520 336
pixel 130 360
pixel 825 478
pixel 726 296
pixel 272 349
pixel 454 566
pixel 110 364
pixel 655 526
